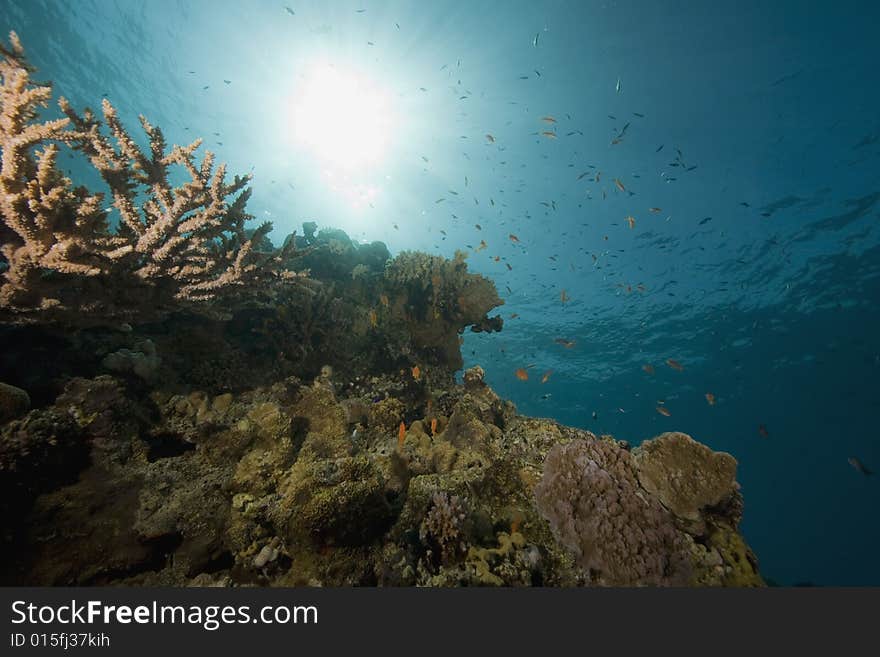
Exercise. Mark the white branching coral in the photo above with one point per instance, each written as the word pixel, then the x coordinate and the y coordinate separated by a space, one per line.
pixel 173 246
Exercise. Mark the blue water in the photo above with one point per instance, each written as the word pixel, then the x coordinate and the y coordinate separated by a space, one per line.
pixel 770 305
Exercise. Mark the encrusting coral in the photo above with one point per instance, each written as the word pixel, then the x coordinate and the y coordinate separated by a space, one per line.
pixel 179 246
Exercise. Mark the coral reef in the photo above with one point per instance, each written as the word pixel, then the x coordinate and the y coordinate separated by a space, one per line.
pixel 198 420
pixel 293 483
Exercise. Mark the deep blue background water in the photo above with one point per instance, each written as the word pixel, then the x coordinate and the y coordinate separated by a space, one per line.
pixel 770 306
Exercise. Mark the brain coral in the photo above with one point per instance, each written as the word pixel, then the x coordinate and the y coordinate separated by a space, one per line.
pixel 619 534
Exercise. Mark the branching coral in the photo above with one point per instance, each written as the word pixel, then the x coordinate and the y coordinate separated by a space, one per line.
pixel 179 246
pixel 443 524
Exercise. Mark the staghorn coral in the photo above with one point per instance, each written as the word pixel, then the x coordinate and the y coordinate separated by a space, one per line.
pixel 179 247
pixel 623 537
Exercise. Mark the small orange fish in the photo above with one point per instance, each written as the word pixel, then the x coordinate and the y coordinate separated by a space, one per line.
pixel 654 210
pixel 522 375
pixel 401 435
pixel 663 411
pixel 490 139
pixel 513 238
pixel 548 119
pixel 497 258
pixel 549 134
pixel 568 344
pixel 374 319
pixel 563 297
pixel 482 246
pixel 710 398
pixel 384 299
pixel 416 372
pixel 762 430
pixel 433 426
pixel 649 369
pixel 674 364
pixel 631 221
pixel 546 376
pixel 619 185
pixel 514 315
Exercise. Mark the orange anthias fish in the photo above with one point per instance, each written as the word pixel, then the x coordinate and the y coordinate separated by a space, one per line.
pixel 490 139
pixel 522 375
pixel 674 364
pixel 433 426
pixel 649 369
pixel 548 119
pixel 663 411
pixel 401 435
pixel 549 134
pixel 482 246
pixel 416 372
pixel 710 398
pixel 563 297
pixel 384 299
pixel 568 344
pixel 619 185
pixel 546 376
pixel 513 238
pixel 631 221
pixel 374 319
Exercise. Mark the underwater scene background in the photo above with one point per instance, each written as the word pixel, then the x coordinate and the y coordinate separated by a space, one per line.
pixel 678 202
